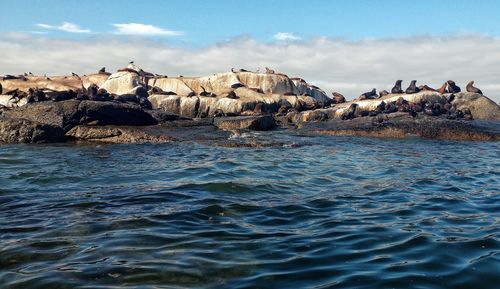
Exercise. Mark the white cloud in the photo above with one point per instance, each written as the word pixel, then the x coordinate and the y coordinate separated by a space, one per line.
pixel 143 29
pixel 349 67
pixel 286 36
pixel 65 26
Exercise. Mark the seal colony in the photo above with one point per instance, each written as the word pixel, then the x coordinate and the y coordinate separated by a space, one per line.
pixel 240 96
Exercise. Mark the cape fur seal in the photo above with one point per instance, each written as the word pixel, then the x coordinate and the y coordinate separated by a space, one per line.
pixel 1 89
pixel 397 87
pixel 425 87
pixel 412 88
pixel 470 88
pixel 338 98
pixel 452 87
pixel 442 89
pixel 270 71
pixel 368 95
pixel 383 93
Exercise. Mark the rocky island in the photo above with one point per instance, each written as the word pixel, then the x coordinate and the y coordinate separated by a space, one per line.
pixel 134 106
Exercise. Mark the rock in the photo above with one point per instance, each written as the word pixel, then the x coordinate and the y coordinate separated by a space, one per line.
pixel 481 107
pixel 400 125
pixel 63 114
pixel 172 84
pixel 26 131
pixel 8 101
pixel 263 122
pixel 162 116
pixel 122 82
pixel 116 135
pixel 54 83
pixel 69 113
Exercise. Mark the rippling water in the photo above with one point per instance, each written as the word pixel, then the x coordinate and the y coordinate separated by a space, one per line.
pixel 325 212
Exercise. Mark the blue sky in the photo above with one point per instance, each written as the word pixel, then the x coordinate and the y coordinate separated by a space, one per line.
pixel 345 46
pixel 205 22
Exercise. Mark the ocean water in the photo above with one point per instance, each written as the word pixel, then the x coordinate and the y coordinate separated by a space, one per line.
pixel 314 212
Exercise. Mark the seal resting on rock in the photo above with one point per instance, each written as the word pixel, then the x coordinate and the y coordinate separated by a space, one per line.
pixel 442 89
pixel 270 71
pixel 412 88
pixel 397 87
pixel 368 95
pixel 35 95
pixel 425 87
pixel 338 98
pixel 349 113
pixel 237 85
pixel 470 88
pixel 452 87
pixel 1 88
pixel 383 93
pixel 232 95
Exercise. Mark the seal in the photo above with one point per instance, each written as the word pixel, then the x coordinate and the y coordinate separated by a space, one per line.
pixel 397 87
pixel 442 89
pixel 425 87
pixel 470 88
pixel 270 71
pixel 232 95
pixel 1 89
pixel 338 98
pixel 452 87
pixel 383 93
pixel 349 112
pixel 368 95
pixel 412 88
pixel 236 85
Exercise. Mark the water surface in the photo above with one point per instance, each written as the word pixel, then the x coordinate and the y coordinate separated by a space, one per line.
pixel 318 212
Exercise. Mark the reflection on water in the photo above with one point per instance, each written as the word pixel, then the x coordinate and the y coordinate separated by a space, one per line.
pixel 325 212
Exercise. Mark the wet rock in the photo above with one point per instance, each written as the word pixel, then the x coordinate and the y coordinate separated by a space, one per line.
pixel 113 134
pixel 263 122
pixel 26 131
pixel 67 114
pixel 401 125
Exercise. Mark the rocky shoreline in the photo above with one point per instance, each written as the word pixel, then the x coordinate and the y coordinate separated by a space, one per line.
pixel 132 106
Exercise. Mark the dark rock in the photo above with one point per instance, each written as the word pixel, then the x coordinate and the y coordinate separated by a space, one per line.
pixel 26 131
pixel 66 114
pixel 262 122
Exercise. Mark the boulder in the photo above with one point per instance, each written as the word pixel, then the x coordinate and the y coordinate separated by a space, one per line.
pixel 262 122
pixel 26 131
pixel 172 84
pixel 112 134
pixel 98 79
pixel 122 82
pixel 69 113
pixel 481 107
pixel 268 83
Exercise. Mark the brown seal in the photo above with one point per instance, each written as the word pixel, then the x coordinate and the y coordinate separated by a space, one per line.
pixel 270 71
pixel 452 87
pixel 412 88
pixel 338 98
pixel 1 88
pixel 442 89
pixel 425 87
pixel 383 93
pixel 368 95
pixel 470 88
pixel 397 87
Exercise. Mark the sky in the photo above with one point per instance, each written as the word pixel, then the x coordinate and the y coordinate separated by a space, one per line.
pixel 345 46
